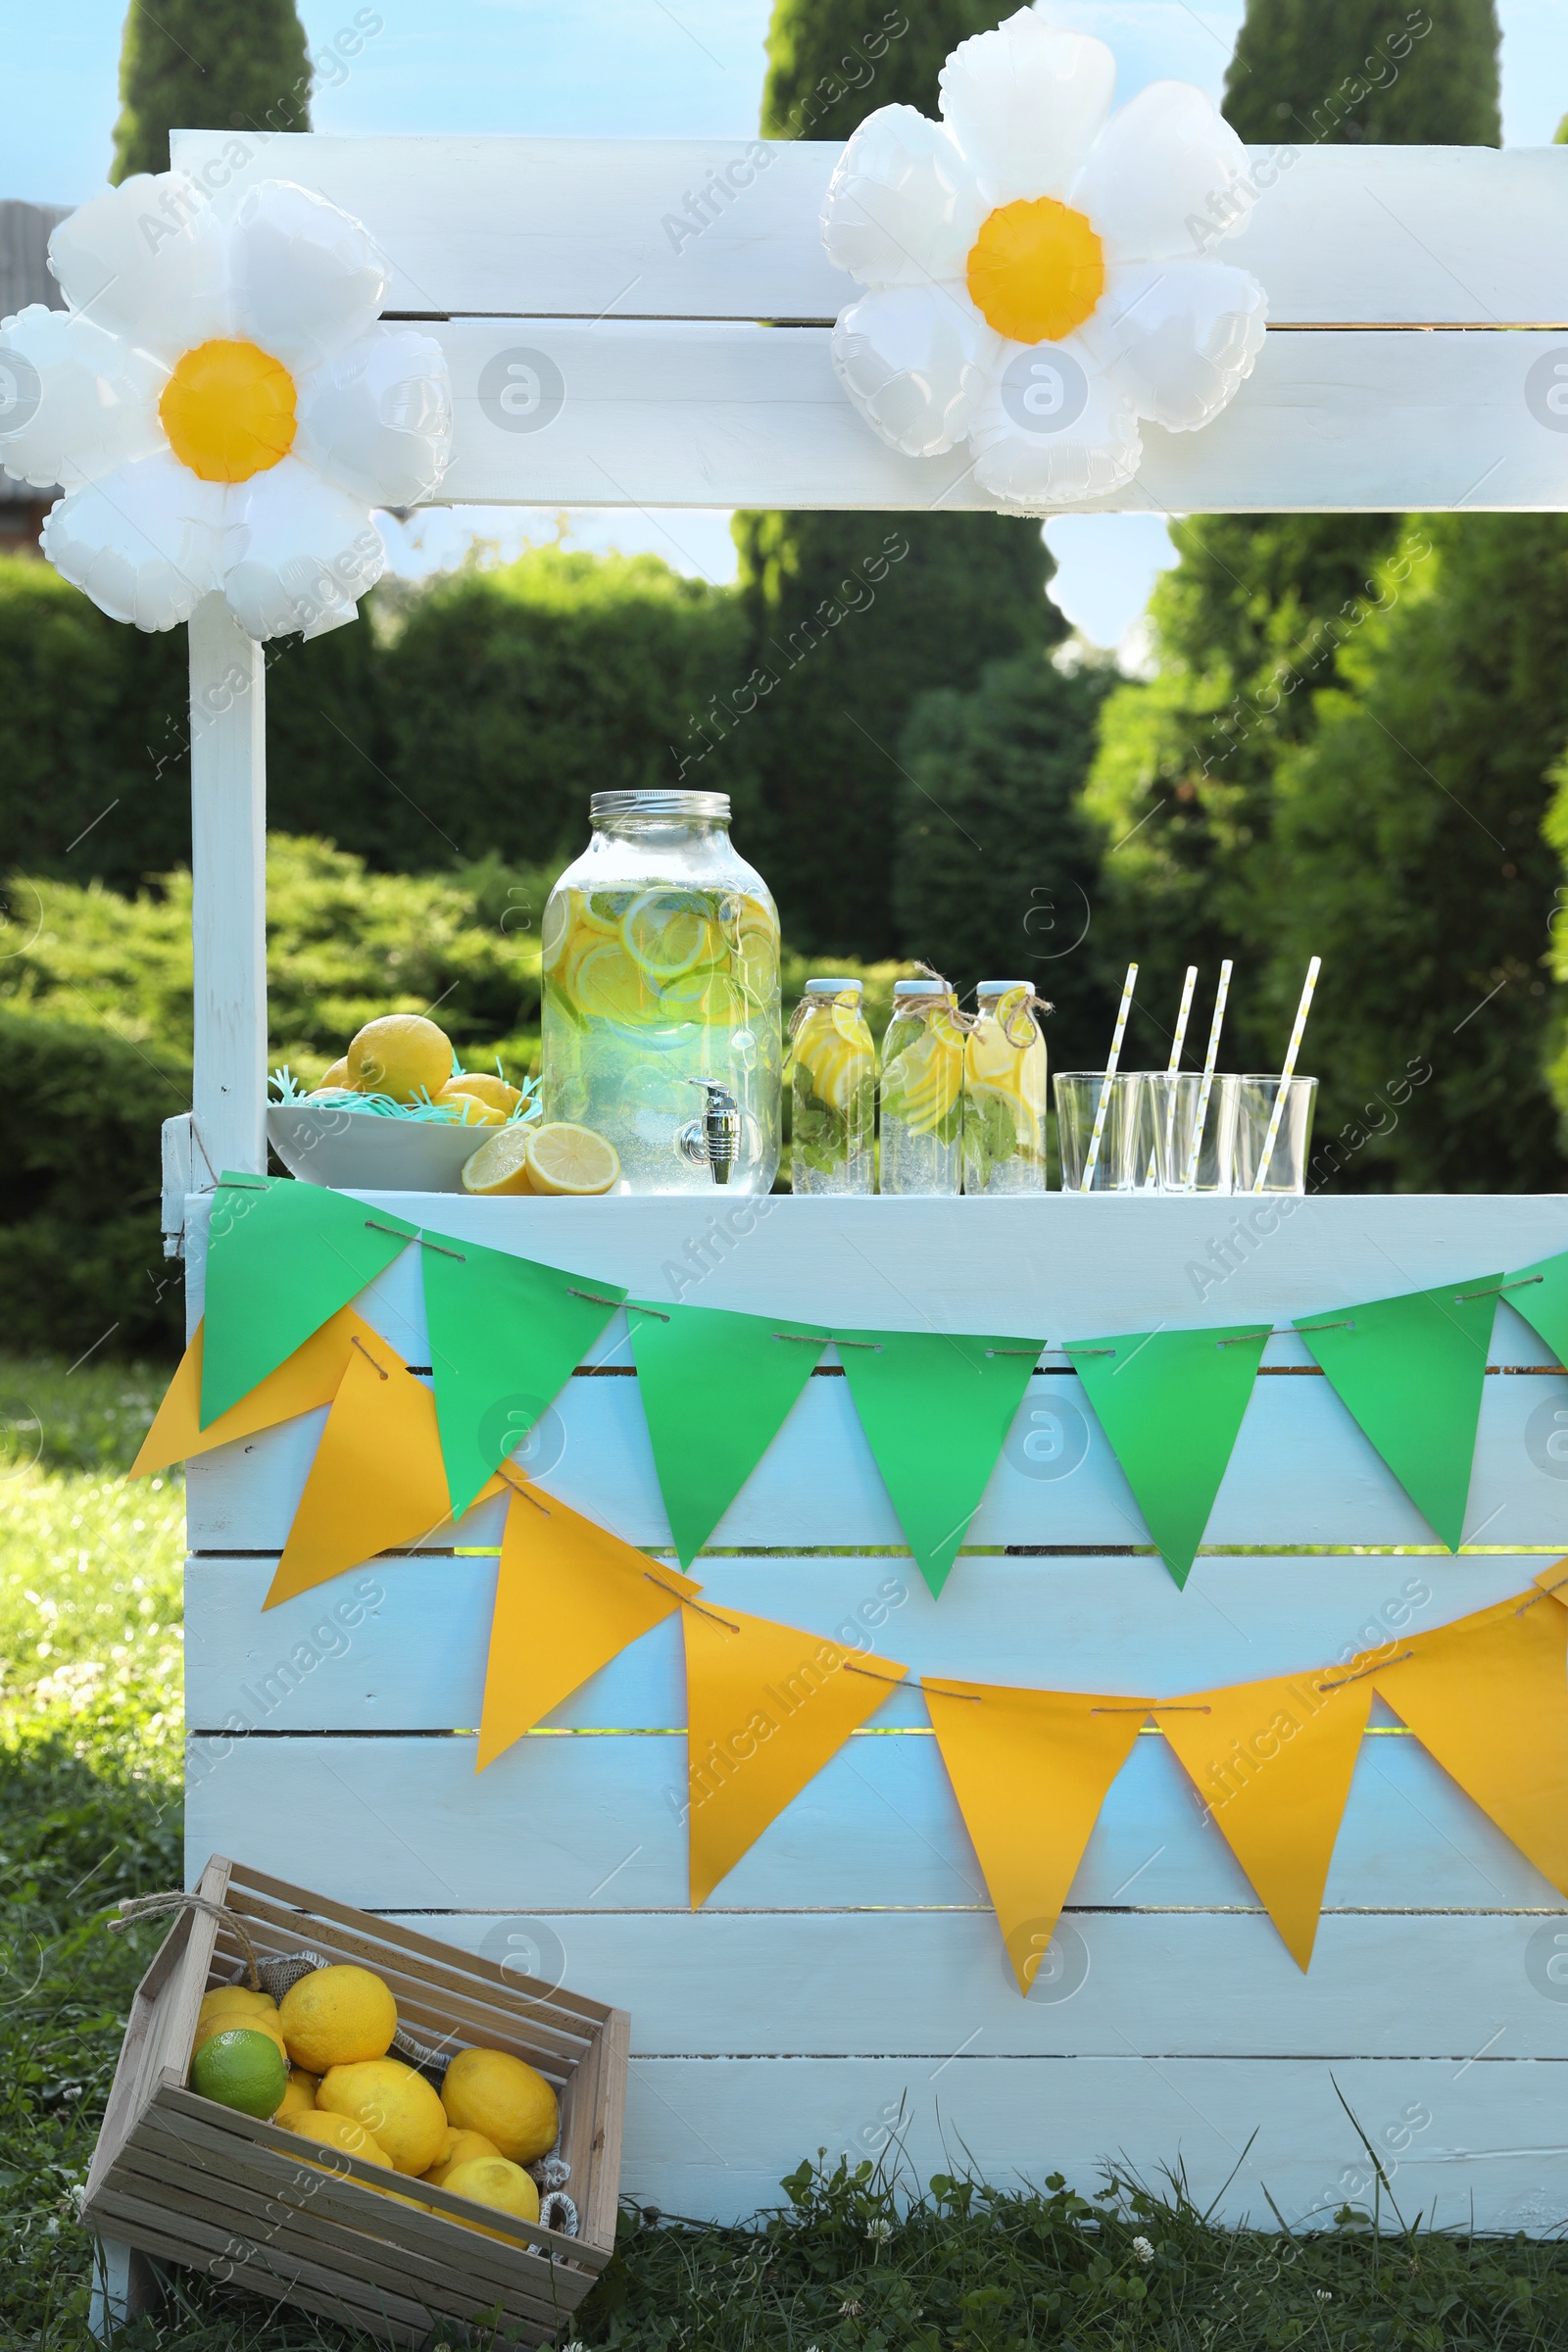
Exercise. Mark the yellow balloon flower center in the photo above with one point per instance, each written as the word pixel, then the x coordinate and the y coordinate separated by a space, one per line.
pixel 1036 271
pixel 229 410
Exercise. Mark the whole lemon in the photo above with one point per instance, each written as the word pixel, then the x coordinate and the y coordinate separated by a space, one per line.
pixel 300 2097
pixel 392 2101
pixel 505 2098
pixel 493 1092
pixel 226 2020
pixel 241 2069
pixel 459 2147
pixel 336 2016
pixel 492 2180
pixel 401 1055
pixel 337 1075
pixel 235 1997
pixel 337 2131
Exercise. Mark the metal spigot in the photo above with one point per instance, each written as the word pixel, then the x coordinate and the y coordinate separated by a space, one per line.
pixel 715 1140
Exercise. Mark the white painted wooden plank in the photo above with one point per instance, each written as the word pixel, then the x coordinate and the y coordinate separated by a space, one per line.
pixel 920 1982
pixel 1302 1474
pixel 694 415
pixel 401 1645
pixel 590 227
pixel 1480 2145
pixel 1060 1264
pixel 584 1819
pixel 228 866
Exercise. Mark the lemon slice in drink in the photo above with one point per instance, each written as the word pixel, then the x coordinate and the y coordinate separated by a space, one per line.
pixel 571 1160
pixel 668 932
pixel 500 1164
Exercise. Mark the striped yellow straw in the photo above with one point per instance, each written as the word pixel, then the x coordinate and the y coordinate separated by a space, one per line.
pixel 1102 1106
pixel 1208 1087
pixel 1287 1074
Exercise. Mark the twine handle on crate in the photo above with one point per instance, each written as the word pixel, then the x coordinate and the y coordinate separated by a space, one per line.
pixel 134 1909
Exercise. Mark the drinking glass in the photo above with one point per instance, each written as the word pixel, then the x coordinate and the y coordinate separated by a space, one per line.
pixel 1127 1145
pixel 1174 1109
pixel 1256 1095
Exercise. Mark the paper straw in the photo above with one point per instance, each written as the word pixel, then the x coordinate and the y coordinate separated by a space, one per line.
pixel 1288 1073
pixel 1209 1059
pixel 1104 1104
pixel 1180 1037
pixel 1176 1045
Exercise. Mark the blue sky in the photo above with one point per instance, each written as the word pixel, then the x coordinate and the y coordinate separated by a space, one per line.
pixel 614 69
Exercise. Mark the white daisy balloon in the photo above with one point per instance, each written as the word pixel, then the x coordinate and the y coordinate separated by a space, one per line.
pixel 1034 280
pixel 220 406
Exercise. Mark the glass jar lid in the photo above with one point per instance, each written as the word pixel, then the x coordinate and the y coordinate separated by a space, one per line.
pixel 834 988
pixel 699 807
pixel 923 988
pixel 998 988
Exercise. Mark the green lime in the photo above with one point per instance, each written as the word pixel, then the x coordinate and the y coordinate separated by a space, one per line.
pixel 241 2069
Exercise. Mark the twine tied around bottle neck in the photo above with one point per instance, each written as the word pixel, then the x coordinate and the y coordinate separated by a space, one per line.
pixel 844 995
pixel 939 999
pixel 1022 1015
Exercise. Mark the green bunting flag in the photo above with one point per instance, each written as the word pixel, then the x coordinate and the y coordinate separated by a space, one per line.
pixel 1410 1371
pixel 1540 1293
pixel 1171 1403
pixel 936 1409
pixel 505 1335
pixel 282 1257
pixel 716 1388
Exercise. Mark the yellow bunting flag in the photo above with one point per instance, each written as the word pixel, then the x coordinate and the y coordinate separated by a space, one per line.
pixel 308 1377
pixel 766 1707
pixel 1030 1769
pixel 569 1596
pixel 377 1482
pixel 1272 1761
pixel 1487 1697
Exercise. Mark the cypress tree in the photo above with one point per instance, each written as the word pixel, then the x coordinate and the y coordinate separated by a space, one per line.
pixel 1246 627
pixel 823 748
pixel 1306 70
pixel 206 64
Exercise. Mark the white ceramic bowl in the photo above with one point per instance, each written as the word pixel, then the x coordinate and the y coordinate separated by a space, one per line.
pixel 323 1143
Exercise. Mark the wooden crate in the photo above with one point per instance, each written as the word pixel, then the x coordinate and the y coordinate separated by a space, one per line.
pixel 194 2183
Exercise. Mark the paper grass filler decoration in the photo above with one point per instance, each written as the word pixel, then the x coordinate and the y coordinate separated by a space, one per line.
pixel 1035 282
pixel 220 406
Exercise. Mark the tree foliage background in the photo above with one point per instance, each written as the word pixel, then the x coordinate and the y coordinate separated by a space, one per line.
pixel 206 64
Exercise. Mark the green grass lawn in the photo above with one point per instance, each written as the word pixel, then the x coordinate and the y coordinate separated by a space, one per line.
pixel 90 1721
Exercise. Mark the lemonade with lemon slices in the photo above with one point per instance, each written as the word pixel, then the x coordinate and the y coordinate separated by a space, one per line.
pixel 923 1091
pixel 1004 1093
pixel 833 1092
pixel 661 968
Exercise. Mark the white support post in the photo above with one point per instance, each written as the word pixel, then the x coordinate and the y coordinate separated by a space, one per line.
pixel 228 911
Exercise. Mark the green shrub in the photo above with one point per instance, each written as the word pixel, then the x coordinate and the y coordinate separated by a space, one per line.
pixel 81 1265
pixel 342 946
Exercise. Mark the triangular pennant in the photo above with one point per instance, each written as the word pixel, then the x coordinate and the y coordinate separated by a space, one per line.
pixel 1030 1769
pixel 1272 1761
pixel 936 1409
pixel 1487 1697
pixel 282 1257
pixel 766 1707
pixel 505 1335
pixel 1410 1371
pixel 1171 1403
pixel 1540 1293
pixel 308 1377
pixel 377 1482
pixel 717 1388
pixel 569 1596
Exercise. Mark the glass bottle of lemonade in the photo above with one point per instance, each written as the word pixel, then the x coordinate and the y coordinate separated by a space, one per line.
pixel 1004 1093
pixel 833 1092
pixel 660 967
pixel 923 1091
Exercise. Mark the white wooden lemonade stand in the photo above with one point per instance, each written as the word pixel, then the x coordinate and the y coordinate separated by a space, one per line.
pixel 648 322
